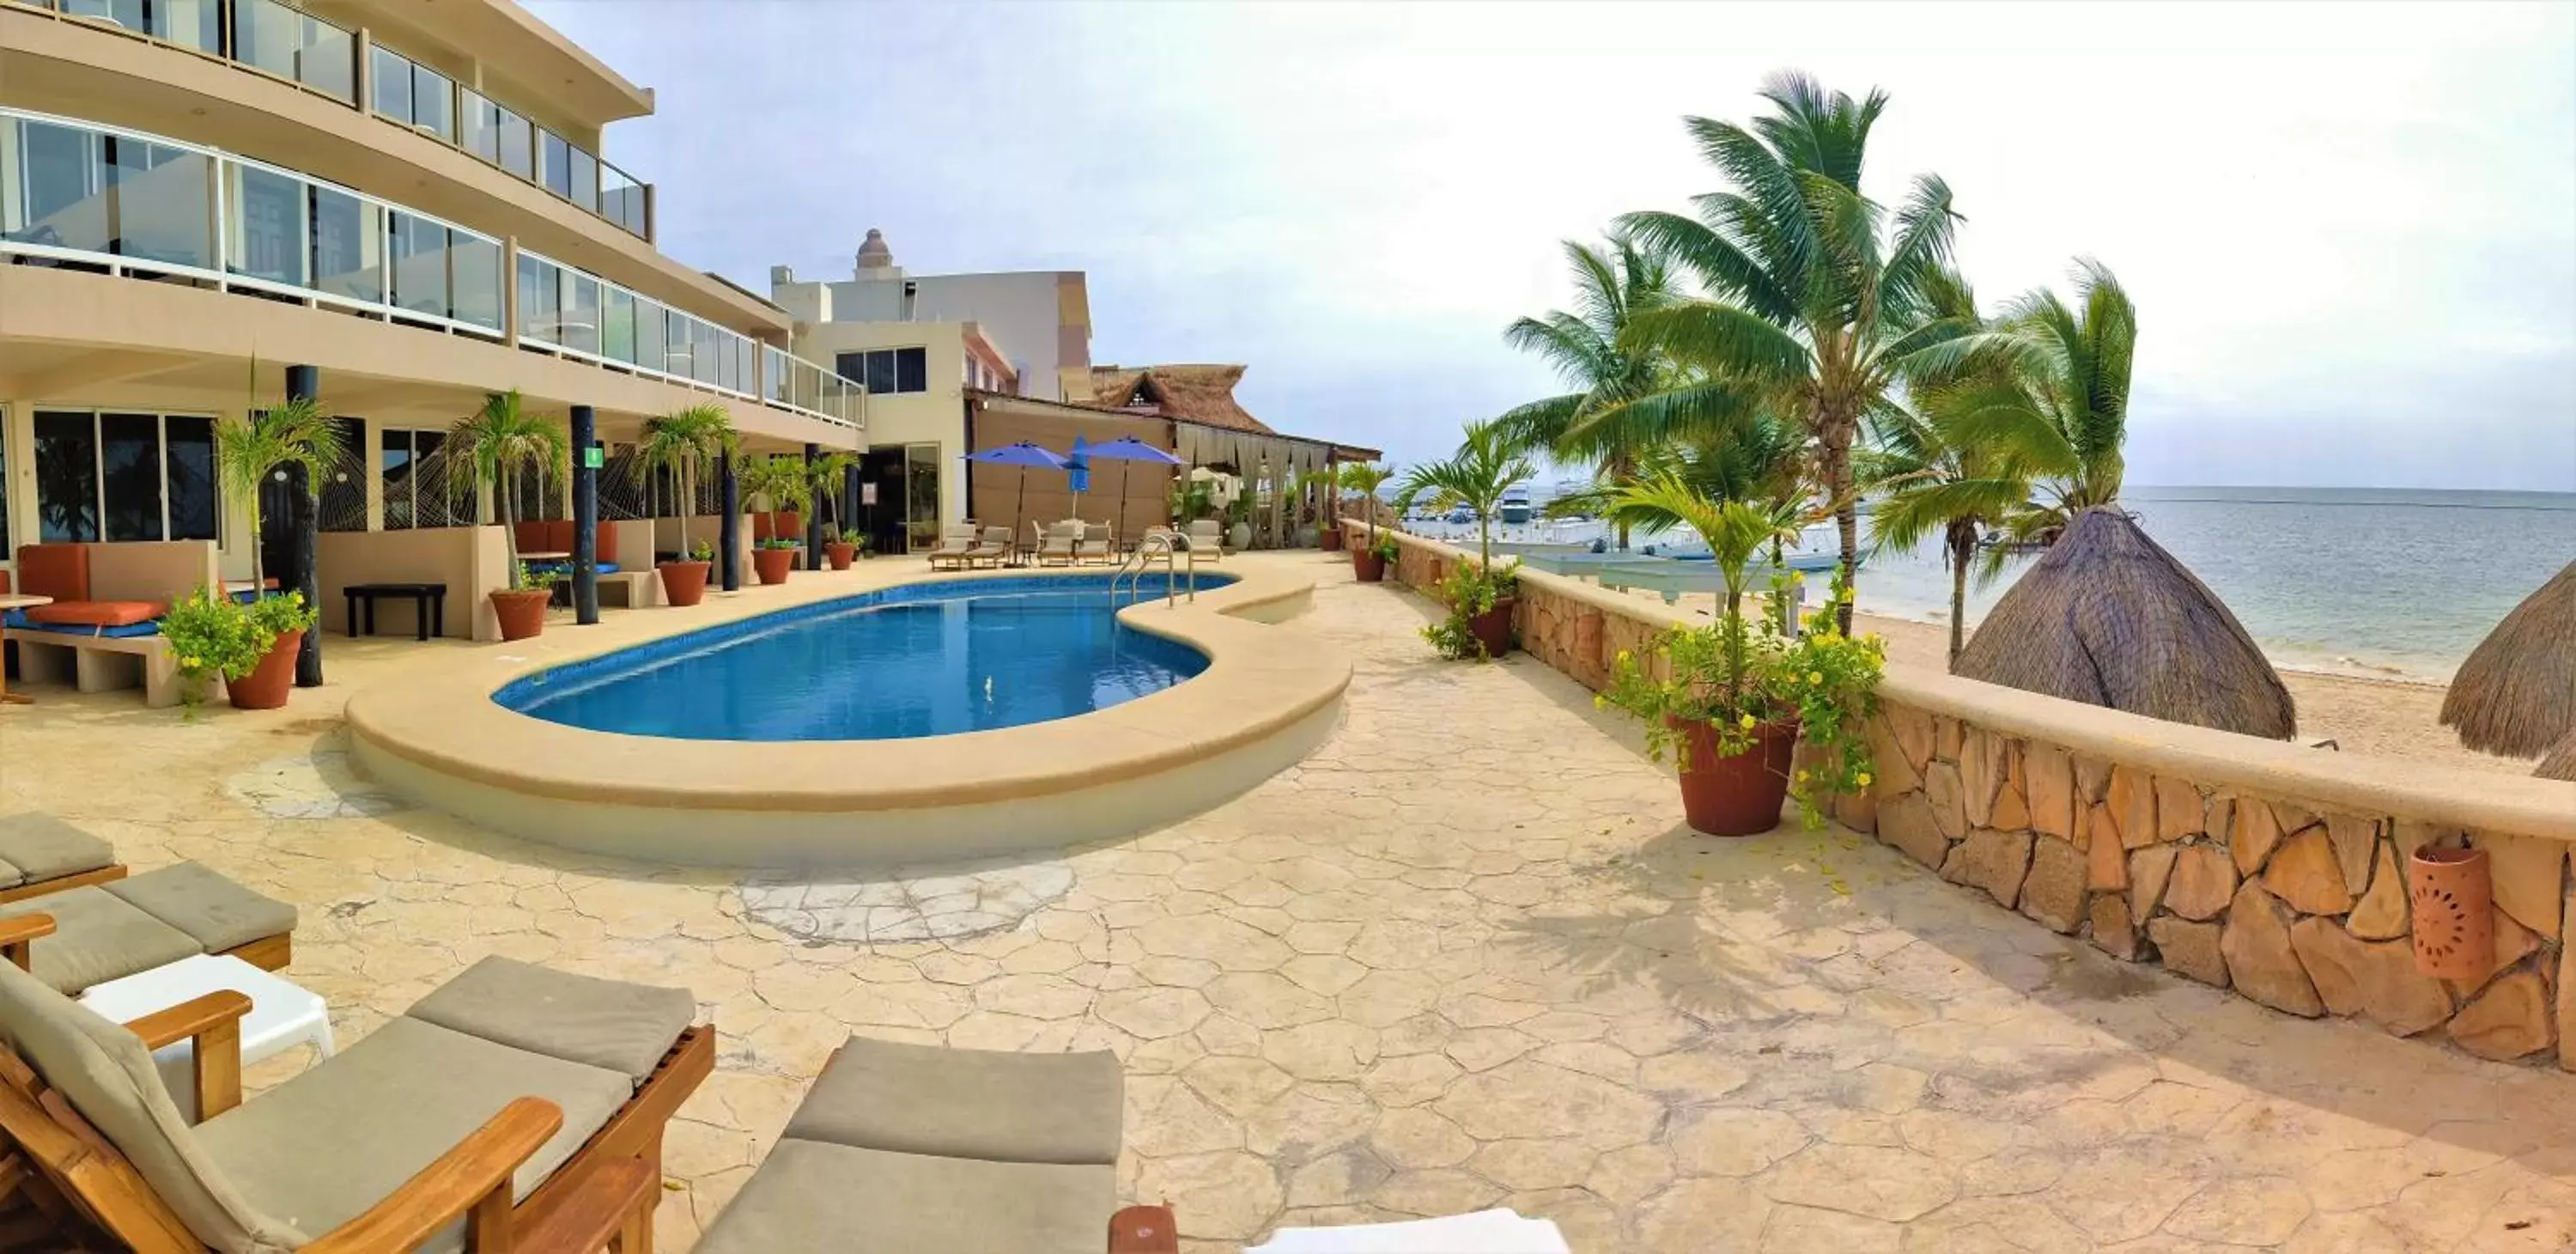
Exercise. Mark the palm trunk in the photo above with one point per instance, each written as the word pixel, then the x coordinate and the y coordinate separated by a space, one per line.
pixel 1838 485
pixel 1963 541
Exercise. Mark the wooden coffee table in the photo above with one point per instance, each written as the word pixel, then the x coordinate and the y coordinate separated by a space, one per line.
pixel 16 601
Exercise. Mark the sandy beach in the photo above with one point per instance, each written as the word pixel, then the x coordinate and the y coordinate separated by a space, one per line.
pixel 2395 718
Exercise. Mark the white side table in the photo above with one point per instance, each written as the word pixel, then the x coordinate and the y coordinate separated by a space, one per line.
pixel 1496 1231
pixel 281 1014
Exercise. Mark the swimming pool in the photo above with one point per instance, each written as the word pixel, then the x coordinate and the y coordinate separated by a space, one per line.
pixel 929 659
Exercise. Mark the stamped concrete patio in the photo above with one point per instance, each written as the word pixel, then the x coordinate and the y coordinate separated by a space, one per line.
pixel 1462 957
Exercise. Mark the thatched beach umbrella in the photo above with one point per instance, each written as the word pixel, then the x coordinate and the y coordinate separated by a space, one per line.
pixel 2516 695
pixel 2561 762
pixel 2108 617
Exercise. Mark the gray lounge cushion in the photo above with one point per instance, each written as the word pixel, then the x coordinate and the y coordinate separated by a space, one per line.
pixel 609 1024
pixel 104 1071
pixel 809 1195
pixel 321 1148
pixel 967 1103
pixel 98 937
pixel 219 913
pixel 41 847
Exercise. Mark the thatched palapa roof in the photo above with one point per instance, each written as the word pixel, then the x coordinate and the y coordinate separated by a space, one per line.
pixel 2109 618
pixel 2516 694
pixel 2561 762
pixel 1200 394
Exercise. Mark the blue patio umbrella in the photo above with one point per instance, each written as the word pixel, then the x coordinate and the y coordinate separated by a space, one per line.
pixel 1022 455
pixel 1123 450
pixel 1081 475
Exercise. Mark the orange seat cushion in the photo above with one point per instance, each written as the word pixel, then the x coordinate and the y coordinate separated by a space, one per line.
pixel 530 536
pixel 98 613
pixel 60 571
pixel 605 541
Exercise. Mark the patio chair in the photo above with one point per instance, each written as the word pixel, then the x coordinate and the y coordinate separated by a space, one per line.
pixel 994 548
pixel 499 1103
pixel 1061 545
pixel 1207 539
pixel 42 854
pixel 926 1148
pixel 955 544
pixel 1099 543
pixel 75 937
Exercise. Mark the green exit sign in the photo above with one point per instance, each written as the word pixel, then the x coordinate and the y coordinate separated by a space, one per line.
pixel 594 457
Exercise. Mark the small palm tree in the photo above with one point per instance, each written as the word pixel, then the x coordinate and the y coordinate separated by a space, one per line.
pixel 1612 285
pixel 1364 479
pixel 682 442
pixel 1485 466
pixel 499 445
pixel 1735 530
pixel 2054 398
pixel 781 479
pixel 1933 481
pixel 825 476
pixel 259 442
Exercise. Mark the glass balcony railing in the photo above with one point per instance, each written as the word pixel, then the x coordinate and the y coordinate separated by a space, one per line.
pixel 76 194
pixel 294 45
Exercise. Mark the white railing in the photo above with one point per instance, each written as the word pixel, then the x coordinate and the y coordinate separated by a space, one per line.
pixel 83 194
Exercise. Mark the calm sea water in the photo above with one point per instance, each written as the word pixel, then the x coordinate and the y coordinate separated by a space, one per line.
pixel 2403 583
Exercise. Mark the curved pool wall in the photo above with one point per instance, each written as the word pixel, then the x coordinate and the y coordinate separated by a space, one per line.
pixel 1264 701
pixel 923 659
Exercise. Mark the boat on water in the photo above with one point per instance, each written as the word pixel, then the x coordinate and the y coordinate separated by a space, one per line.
pixel 1516 506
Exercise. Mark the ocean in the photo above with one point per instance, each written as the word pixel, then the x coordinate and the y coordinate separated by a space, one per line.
pixel 2399 584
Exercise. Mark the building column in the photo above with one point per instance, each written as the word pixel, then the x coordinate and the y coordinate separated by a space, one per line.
pixel 729 527
pixel 585 517
pixel 813 514
pixel 848 513
pixel 303 528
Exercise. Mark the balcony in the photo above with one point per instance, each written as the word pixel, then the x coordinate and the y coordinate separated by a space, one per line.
pixel 324 58
pixel 90 197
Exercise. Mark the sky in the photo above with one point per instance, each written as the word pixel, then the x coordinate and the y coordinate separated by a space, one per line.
pixel 2350 230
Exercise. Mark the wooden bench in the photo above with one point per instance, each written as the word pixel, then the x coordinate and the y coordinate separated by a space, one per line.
pixel 99 663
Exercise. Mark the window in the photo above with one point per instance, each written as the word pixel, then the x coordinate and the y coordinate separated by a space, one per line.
pixel 344 482
pixel 80 189
pixel 125 476
pixel 416 482
pixel 921 493
pixel 886 371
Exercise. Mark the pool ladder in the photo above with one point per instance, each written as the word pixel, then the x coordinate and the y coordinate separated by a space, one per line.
pixel 1133 567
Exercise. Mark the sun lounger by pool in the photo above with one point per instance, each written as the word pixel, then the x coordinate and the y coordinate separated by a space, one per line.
pixel 1061 545
pixel 1206 539
pixel 42 854
pixel 956 544
pixel 504 1100
pixel 920 1148
pixel 1099 543
pixel 994 548
pixel 72 938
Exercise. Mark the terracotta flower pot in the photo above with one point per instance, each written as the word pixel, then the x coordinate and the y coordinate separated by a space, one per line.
pixel 841 555
pixel 2454 912
pixel 522 612
pixel 1737 796
pixel 684 583
pixel 267 687
pixel 1330 538
pixel 1493 628
pixel 1368 566
pixel 772 565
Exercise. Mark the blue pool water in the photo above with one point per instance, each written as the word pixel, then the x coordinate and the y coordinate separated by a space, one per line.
pixel 921 660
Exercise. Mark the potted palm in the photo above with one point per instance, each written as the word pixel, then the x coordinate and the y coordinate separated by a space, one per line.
pixel 781 483
pixel 681 443
pixel 1368 558
pixel 824 476
pixel 1481 597
pixel 1730 700
pixel 248 449
pixel 251 647
pixel 500 445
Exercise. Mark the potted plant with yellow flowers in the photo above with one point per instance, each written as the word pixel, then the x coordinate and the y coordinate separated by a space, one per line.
pixel 1730 700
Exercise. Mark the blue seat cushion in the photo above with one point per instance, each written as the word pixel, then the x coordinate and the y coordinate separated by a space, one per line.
pixel 18 620
pixel 565 568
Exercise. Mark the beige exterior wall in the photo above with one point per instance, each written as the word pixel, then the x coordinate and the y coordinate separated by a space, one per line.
pixel 937 416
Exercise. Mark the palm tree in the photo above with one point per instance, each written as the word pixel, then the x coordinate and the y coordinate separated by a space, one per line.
pixel 681 442
pixel 1934 481
pixel 1364 479
pixel 1735 530
pixel 293 432
pixel 779 478
pixel 1612 284
pixel 2054 399
pixel 825 476
pixel 1485 466
pixel 498 445
pixel 1814 311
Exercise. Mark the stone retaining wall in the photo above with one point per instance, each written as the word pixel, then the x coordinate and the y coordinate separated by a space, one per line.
pixel 2264 867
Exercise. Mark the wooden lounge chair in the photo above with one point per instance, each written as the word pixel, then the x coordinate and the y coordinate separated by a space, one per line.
pixel 1099 543
pixel 955 545
pixel 1061 545
pixel 496 1114
pixel 72 937
pixel 932 1149
pixel 42 854
pixel 1207 539
pixel 995 548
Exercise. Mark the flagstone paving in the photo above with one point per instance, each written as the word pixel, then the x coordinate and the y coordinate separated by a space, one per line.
pixel 1462 957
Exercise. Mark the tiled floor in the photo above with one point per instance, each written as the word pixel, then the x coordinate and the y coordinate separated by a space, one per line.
pixel 1462 957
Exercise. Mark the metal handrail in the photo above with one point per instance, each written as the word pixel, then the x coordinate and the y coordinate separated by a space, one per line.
pixel 1143 560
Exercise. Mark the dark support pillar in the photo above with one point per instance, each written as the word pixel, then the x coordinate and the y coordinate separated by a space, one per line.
pixel 848 513
pixel 585 517
pixel 729 527
pixel 303 525
pixel 813 515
